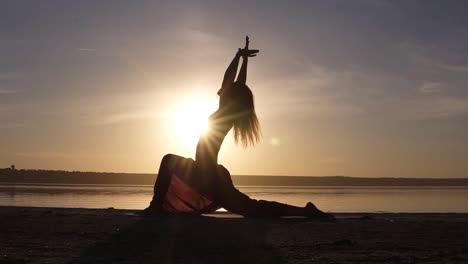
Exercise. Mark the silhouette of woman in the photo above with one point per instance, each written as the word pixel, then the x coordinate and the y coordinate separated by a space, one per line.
pixel 202 186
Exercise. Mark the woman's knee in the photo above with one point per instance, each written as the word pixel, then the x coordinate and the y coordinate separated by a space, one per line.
pixel 167 159
pixel 166 162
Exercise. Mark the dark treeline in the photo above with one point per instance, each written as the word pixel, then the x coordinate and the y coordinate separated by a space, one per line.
pixel 77 177
pixel 73 177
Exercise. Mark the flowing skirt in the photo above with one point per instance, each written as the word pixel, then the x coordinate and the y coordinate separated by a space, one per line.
pixel 183 193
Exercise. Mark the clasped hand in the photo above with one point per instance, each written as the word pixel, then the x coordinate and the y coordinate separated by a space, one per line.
pixel 246 52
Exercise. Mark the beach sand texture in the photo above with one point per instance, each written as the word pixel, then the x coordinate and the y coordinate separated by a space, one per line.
pixel 56 235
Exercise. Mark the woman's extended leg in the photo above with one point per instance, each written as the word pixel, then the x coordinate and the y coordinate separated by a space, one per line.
pixel 237 202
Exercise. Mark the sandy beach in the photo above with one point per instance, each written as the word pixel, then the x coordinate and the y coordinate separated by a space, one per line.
pixel 58 235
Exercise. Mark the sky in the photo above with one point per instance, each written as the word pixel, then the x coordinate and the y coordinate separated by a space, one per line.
pixel 367 88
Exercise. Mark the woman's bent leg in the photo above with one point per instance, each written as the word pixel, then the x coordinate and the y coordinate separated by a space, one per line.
pixel 162 183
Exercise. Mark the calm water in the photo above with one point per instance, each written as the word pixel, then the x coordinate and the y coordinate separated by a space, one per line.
pixel 334 199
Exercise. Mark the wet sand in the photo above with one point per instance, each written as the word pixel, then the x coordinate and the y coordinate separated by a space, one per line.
pixel 57 235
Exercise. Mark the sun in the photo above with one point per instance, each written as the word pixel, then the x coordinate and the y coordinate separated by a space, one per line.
pixel 190 120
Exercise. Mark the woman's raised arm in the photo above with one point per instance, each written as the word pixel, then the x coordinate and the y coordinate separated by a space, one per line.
pixel 245 53
pixel 242 77
pixel 230 74
pixel 231 71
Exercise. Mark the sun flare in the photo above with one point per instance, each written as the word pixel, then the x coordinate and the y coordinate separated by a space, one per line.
pixel 190 120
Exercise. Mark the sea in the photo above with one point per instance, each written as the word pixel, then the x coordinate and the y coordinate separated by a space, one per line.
pixel 425 199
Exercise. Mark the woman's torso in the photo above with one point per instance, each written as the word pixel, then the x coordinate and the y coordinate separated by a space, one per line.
pixel 209 144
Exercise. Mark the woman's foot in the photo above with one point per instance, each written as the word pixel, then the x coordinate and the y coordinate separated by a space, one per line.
pixel 150 211
pixel 313 212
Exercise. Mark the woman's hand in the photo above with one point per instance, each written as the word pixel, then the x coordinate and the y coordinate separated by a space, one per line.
pixel 224 177
pixel 246 52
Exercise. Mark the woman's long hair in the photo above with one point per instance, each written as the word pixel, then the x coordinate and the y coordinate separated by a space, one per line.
pixel 246 127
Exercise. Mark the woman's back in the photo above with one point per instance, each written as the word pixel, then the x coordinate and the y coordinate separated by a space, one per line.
pixel 210 142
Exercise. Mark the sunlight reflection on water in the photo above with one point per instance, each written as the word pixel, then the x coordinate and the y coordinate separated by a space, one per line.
pixel 334 199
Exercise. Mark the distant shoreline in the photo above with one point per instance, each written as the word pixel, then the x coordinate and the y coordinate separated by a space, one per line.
pixel 238 185
pixel 9 176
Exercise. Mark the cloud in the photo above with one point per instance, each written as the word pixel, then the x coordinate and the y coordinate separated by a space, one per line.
pixel 127 117
pixel 12 125
pixel 42 154
pixel 7 91
pixel 424 57
pixel 318 106
pixel 85 49
pixel 11 76
pixel 430 87
pixel 316 91
pixel 443 106
pixel 440 63
pixel 452 67
pixel 424 108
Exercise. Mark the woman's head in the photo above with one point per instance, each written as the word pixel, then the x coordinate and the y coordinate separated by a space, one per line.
pixel 242 110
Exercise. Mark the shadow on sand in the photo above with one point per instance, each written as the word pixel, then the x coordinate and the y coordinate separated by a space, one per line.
pixel 185 239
